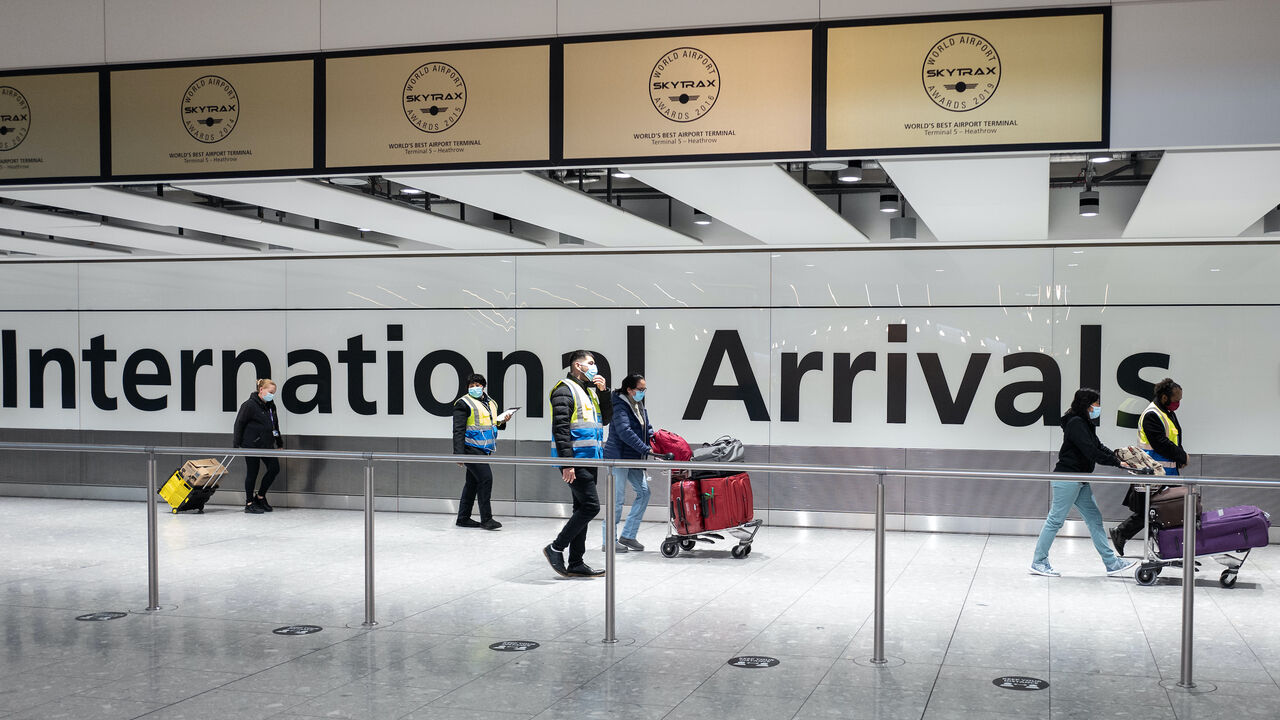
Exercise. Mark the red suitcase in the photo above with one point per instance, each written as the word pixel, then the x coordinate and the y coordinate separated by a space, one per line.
pixel 727 501
pixel 686 508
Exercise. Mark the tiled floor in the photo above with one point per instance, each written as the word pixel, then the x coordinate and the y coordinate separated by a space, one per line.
pixel 962 611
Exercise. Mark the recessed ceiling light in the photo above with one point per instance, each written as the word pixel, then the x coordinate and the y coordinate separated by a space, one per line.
pixel 1101 156
pixel 701 218
pixel 350 181
pixel 889 201
pixel 363 230
pixel 828 165
pixel 851 174
pixel 411 191
pixel 621 174
pixel 1089 203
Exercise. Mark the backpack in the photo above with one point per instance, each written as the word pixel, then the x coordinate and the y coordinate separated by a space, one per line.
pixel 665 441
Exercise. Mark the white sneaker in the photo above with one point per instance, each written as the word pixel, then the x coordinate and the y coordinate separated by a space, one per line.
pixel 1045 569
pixel 1121 567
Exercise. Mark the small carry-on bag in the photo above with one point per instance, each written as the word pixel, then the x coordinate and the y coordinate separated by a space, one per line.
pixel 724 449
pixel 193 484
pixel 666 442
pixel 1233 529
pixel 1168 507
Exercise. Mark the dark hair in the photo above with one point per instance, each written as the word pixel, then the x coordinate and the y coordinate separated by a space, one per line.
pixel 577 355
pixel 1164 389
pixel 475 378
pixel 1084 398
pixel 630 382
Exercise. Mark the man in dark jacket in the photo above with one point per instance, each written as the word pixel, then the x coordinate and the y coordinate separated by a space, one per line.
pixel 476 423
pixel 258 426
pixel 580 408
pixel 1160 435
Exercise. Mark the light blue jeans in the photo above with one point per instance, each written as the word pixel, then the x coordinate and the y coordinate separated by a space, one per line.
pixel 1066 494
pixel 621 477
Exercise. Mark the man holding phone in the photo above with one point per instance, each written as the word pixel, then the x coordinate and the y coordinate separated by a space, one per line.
pixel 476 423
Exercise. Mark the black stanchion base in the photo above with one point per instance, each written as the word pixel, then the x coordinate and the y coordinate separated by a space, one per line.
pixel 888 662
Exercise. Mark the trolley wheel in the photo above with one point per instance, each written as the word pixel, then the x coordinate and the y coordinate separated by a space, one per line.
pixel 174 511
pixel 687 545
pixel 746 549
pixel 1146 576
pixel 1228 579
pixel 738 551
pixel 669 549
pixel 200 511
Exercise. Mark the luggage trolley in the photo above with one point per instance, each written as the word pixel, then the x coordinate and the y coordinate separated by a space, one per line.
pixel 676 541
pixel 1153 562
pixel 183 496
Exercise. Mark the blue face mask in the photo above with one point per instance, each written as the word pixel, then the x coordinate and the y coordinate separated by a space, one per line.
pixel 590 371
pixel 475 392
pixel 1095 413
pixel 268 397
pixel 639 395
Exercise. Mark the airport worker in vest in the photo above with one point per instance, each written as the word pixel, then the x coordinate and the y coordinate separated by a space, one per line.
pixel 1160 436
pixel 580 408
pixel 476 423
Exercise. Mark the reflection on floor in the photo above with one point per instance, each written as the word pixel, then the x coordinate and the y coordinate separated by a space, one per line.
pixel 962 612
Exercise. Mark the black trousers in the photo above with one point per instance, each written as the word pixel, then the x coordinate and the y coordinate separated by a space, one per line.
pixel 1130 526
pixel 586 505
pixel 478 487
pixel 251 475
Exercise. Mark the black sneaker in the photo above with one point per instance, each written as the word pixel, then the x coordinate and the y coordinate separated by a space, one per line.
pixel 556 558
pixel 266 506
pixel 467 522
pixel 632 544
pixel 253 509
pixel 490 524
pixel 583 570
pixel 617 548
pixel 1117 540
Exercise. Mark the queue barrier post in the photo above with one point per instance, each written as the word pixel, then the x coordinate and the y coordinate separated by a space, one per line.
pixel 153 541
pixel 368 545
pixel 1189 521
pixel 877 652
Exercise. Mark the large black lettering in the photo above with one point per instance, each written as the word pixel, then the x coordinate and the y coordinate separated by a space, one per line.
pixel 1049 386
pixel 793 370
pixel 66 373
pixel 98 355
pixel 496 370
pixel 422 380
pixel 896 386
pixel 843 374
pixel 953 411
pixel 1091 356
pixel 231 364
pixel 395 372
pixel 321 380
pixel 745 389
pixel 133 379
pixel 635 349
pixel 602 365
pixel 355 357
pixel 189 365
pixel 9 359
pixel 1128 375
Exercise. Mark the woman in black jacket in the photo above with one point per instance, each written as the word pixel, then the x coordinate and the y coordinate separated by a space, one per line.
pixel 258 426
pixel 1080 452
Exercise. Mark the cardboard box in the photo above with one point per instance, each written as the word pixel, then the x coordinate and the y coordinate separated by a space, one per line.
pixel 202 472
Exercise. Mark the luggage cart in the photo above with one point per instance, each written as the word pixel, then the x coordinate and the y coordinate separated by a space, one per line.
pixel 183 496
pixel 744 533
pixel 1152 562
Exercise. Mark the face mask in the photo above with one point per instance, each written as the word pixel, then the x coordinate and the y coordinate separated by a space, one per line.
pixel 1173 406
pixel 589 371
pixel 639 395
pixel 268 397
pixel 475 392
pixel 1095 413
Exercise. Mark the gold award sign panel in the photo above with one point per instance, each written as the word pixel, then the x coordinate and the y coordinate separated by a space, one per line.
pixel 692 95
pixel 979 82
pixel 49 126
pixel 455 106
pixel 210 119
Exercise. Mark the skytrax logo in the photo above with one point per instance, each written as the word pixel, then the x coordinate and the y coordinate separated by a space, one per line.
pixel 961 72
pixel 15 118
pixel 210 109
pixel 684 84
pixel 434 97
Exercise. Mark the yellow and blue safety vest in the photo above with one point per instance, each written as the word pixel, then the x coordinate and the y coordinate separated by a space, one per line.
pixel 481 433
pixel 585 428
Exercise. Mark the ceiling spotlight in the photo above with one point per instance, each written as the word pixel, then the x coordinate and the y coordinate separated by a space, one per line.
pixel 620 173
pixel 889 201
pixel 364 230
pixel 1101 156
pixel 582 177
pixel 349 181
pixel 1089 203
pixel 411 191
pixel 828 165
pixel 701 218
pixel 851 174
pixel 1271 222
pixel 902 228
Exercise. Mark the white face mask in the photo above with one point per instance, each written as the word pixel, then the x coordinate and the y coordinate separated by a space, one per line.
pixel 589 371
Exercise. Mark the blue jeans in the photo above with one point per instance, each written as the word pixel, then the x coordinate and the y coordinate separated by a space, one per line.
pixel 1066 494
pixel 622 476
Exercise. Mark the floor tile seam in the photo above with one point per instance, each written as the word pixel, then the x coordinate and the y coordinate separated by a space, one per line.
pixel 1244 640
pixel 929 698
pixel 1150 650
pixel 888 586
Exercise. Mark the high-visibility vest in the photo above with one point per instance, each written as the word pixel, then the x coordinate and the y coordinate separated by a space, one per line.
pixel 1170 431
pixel 585 427
pixel 481 434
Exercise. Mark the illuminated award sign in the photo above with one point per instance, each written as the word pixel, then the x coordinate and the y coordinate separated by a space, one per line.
pixel 248 117
pixel 724 94
pixel 457 106
pixel 1031 81
pixel 49 126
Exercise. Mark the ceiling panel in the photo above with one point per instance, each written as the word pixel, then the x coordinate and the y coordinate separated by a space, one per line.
pixel 977 199
pixel 323 201
pixel 166 213
pixel 1207 194
pixel 46 223
pixel 547 203
pixel 762 201
pixel 50 248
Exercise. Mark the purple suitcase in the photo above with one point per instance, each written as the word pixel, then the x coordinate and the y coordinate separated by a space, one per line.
pixel 1221 531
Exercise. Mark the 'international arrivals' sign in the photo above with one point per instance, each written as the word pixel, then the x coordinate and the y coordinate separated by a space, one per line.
pixel 49 126
pixel 692 95
pixel 1009 81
